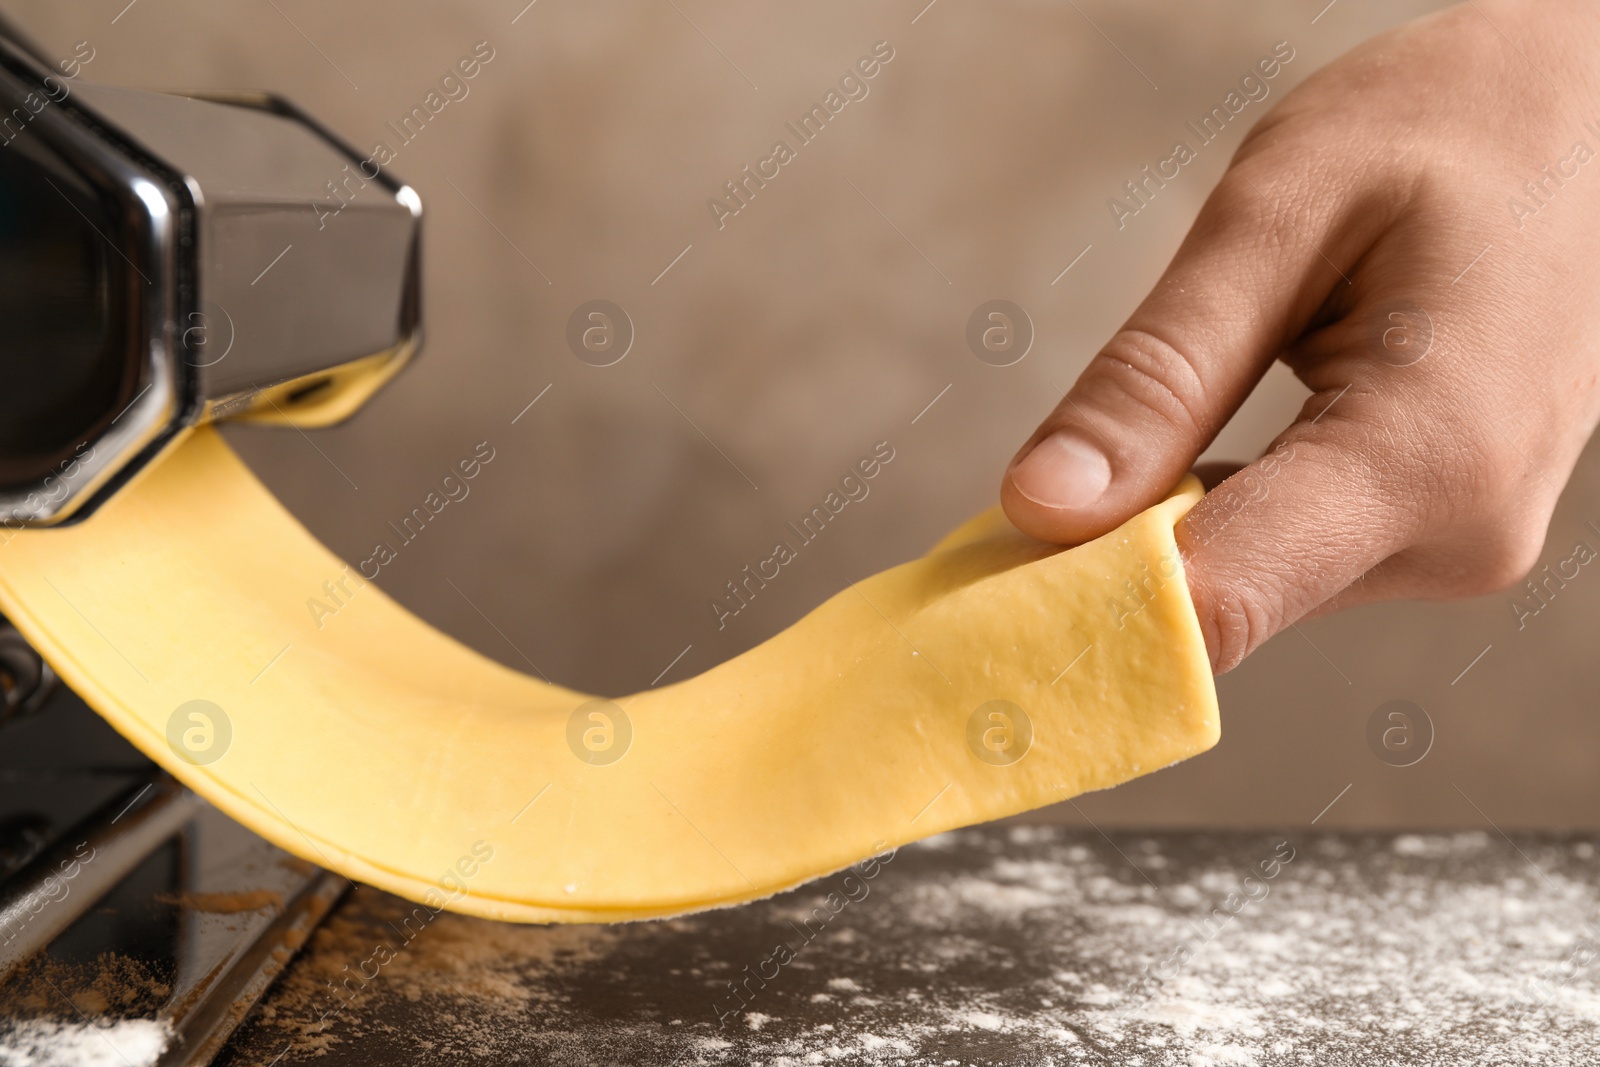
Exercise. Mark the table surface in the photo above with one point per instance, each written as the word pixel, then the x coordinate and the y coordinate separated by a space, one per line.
pixel 1019 945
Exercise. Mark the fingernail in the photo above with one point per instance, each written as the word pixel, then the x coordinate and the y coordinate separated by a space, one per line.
pixel 1063 471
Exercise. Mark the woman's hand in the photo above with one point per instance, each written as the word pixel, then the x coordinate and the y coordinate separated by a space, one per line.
pixel 1415 231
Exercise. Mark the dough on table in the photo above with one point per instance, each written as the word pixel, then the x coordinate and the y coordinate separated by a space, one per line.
pixel 994 675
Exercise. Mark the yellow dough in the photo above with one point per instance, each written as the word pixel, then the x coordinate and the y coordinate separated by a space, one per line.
pixel 382 749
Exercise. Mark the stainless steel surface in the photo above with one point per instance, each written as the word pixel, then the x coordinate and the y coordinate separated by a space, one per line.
pixel 150 293
pixel 294 279
pixel 139 924
pixel 231 973
pixel 65 881
pixel 266 269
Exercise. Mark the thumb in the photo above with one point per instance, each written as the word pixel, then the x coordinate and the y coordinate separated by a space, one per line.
pixel 1245 283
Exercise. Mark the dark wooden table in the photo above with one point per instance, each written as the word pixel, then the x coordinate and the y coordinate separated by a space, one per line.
pixel 1015 945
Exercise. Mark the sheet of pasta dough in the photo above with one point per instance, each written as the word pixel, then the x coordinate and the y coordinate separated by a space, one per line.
pixel 382 749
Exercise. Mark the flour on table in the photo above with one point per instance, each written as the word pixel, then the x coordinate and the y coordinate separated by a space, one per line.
pixel 1023 945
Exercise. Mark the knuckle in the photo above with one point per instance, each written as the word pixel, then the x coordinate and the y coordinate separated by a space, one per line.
pixel 1503 554
pixel 1231 625
pixel 1501 516
pixel 1237 619
pixel 1160 376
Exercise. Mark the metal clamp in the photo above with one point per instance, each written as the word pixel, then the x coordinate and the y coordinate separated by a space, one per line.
pixel 169 259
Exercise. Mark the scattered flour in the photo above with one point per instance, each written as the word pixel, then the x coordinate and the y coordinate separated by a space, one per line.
pixel 45 1043
pixel 1045 947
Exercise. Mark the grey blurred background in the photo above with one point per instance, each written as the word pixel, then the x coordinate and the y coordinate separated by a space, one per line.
pixel 773 353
